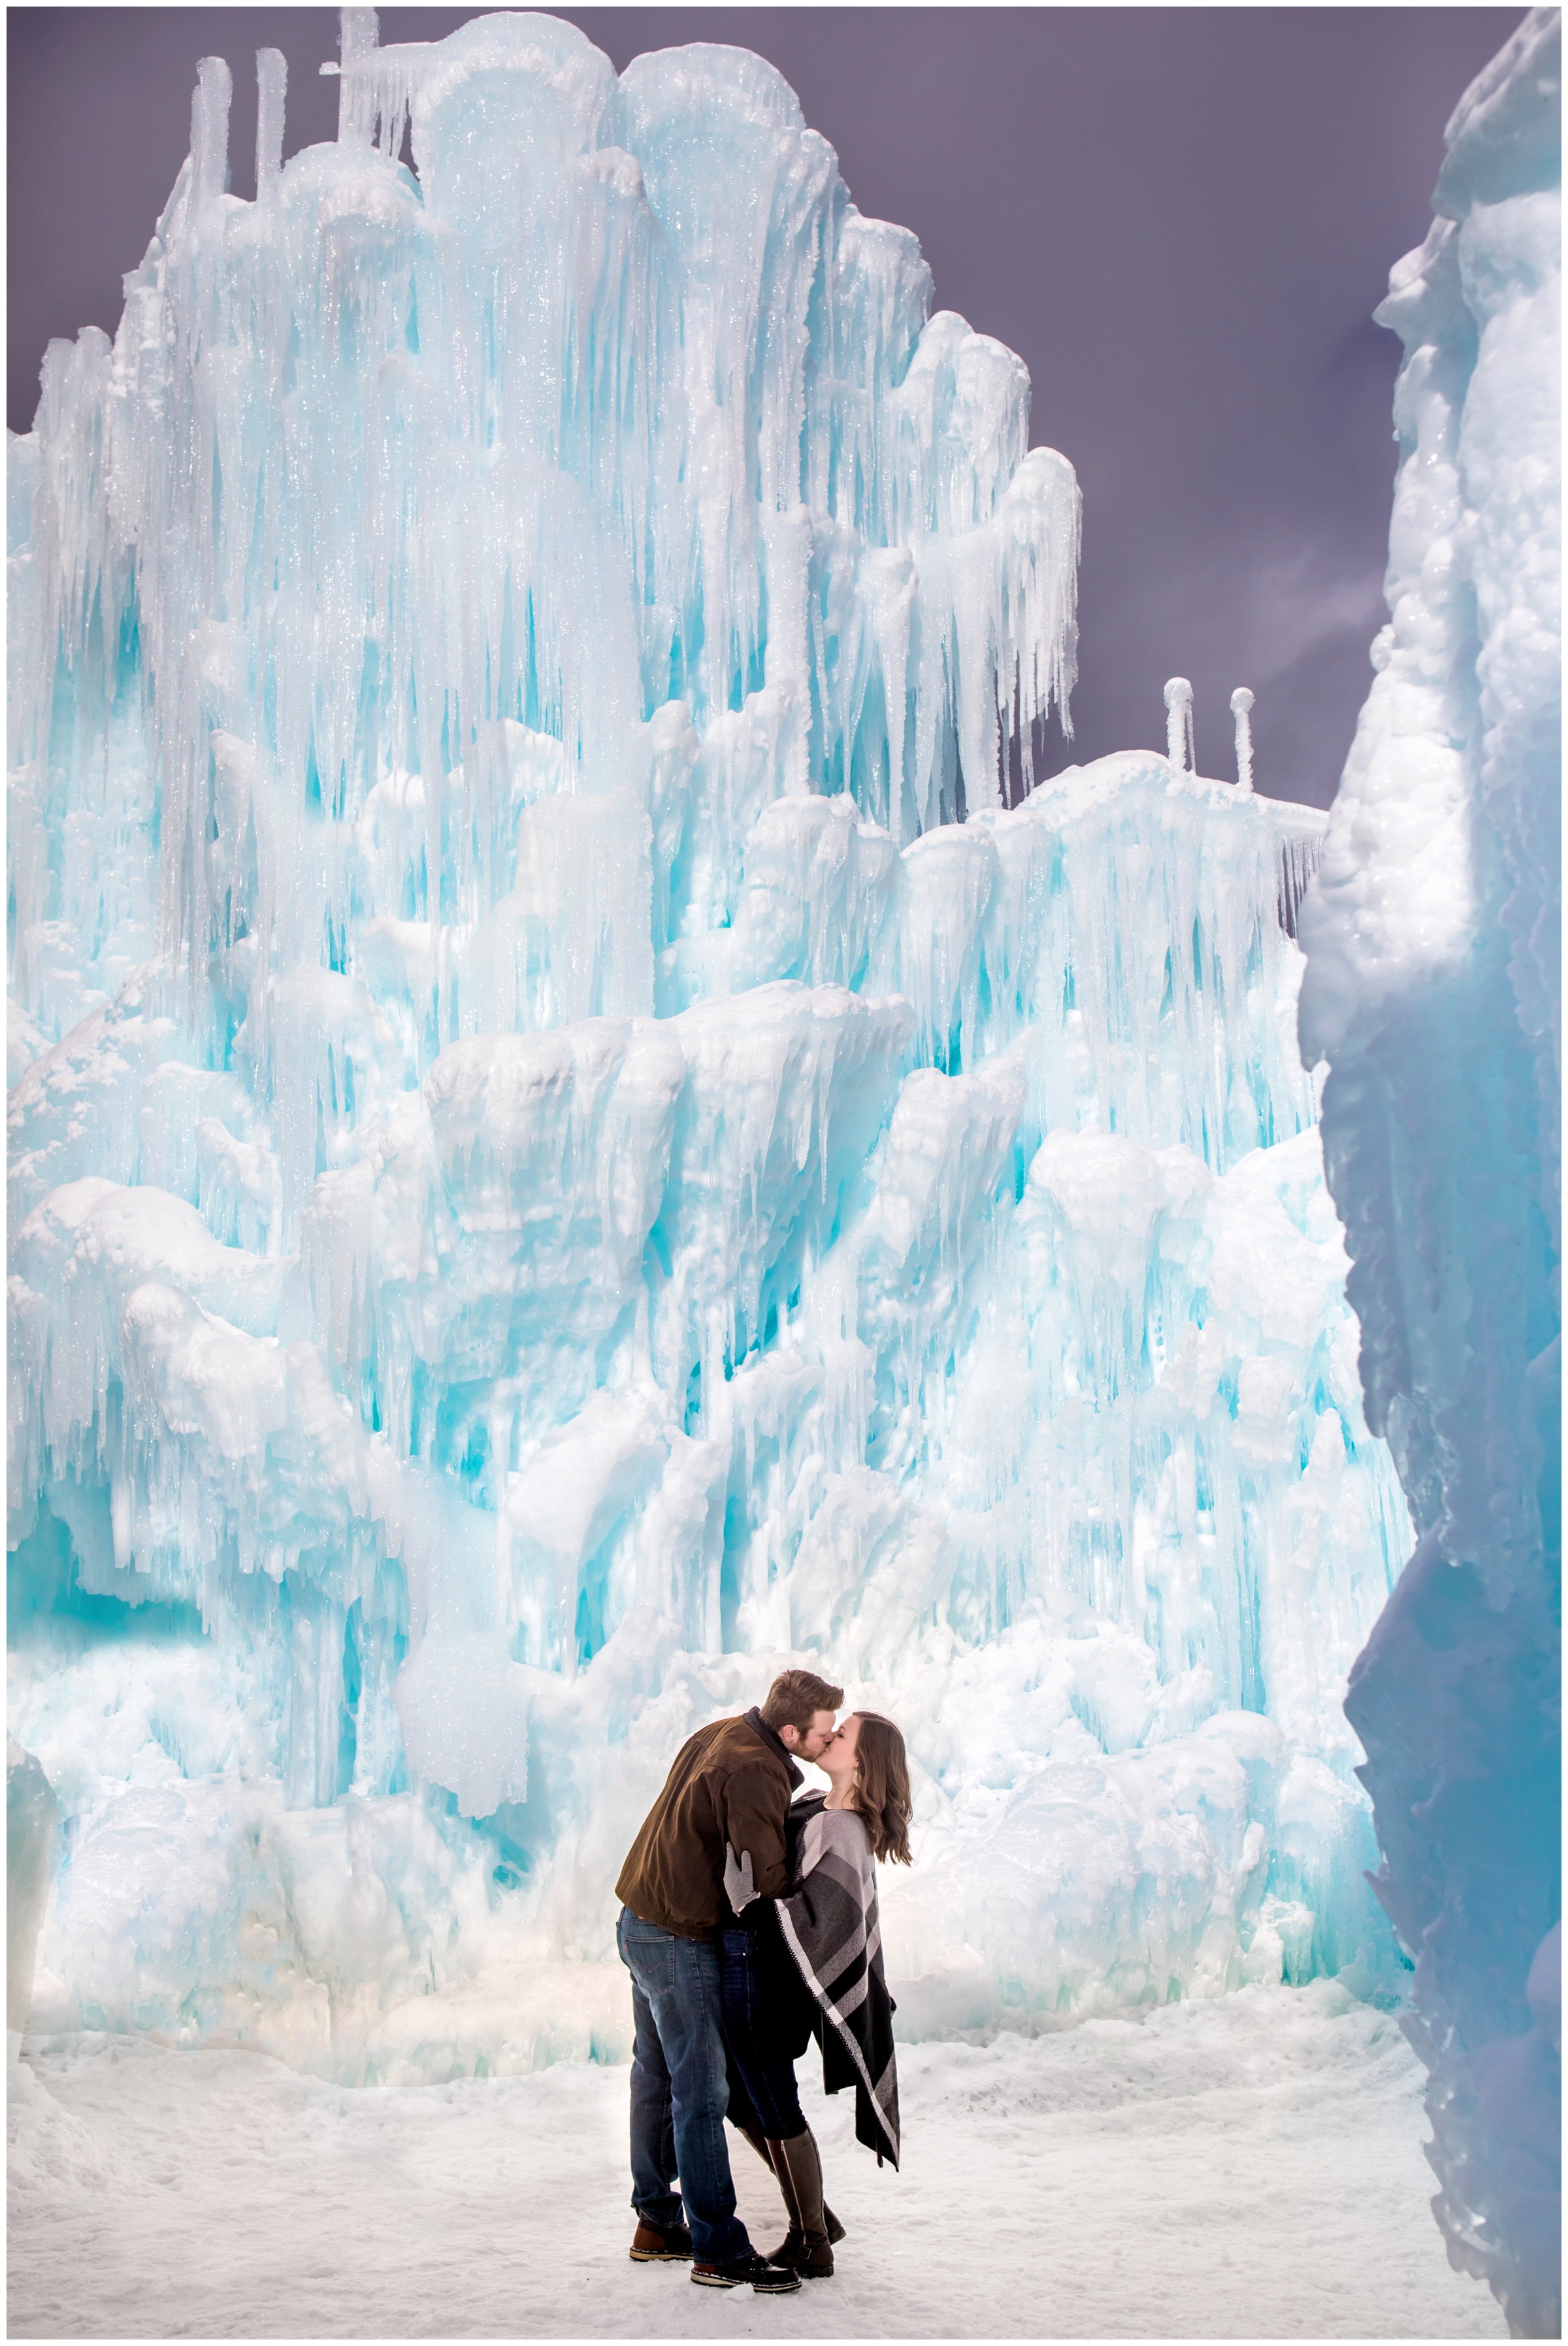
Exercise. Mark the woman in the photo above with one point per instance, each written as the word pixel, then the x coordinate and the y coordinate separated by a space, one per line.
pixel 811 1965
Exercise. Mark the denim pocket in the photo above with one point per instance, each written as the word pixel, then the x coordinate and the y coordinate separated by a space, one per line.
pixel 647 1951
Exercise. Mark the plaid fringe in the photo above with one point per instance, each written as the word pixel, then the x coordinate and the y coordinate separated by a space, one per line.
pixel 831 1926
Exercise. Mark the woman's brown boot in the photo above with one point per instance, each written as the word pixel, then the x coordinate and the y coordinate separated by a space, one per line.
pixel 799 2168
pixel 834 2229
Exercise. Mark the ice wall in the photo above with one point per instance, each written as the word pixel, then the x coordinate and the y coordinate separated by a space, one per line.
pixel 1432 987
pixel 32 1826
pixel 550 1170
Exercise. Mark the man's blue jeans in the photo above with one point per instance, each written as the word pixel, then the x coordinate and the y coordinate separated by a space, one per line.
pixel 679 2092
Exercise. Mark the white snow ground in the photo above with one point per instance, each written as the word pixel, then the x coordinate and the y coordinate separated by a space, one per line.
pixel 1248 2168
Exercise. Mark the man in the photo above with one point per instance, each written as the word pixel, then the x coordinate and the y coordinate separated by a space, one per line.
pixel 731 1782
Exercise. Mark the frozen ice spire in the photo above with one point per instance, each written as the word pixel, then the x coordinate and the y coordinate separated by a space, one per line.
pixel 209 129
pixel 1179 746
pixel 1241 709
pixel 358 40
pixel 271 81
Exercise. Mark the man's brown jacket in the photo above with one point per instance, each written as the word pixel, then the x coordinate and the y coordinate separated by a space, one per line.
pixel 730 1783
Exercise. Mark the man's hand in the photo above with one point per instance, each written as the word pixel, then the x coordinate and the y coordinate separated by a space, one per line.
pixel 738 1880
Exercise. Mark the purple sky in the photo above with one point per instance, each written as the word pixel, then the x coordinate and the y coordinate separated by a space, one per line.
pixel 1180 219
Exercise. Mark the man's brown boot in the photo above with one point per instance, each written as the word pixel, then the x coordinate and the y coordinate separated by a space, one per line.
pixel 834 2229
pixel 799 2168
pixel 660 2244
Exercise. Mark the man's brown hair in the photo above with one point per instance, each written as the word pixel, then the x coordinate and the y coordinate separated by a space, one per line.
pixel 794 1696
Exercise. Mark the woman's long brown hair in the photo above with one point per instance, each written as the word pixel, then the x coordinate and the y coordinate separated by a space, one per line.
pixel 881 1789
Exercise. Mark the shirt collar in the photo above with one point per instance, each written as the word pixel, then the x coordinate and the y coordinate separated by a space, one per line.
pixel 755 1720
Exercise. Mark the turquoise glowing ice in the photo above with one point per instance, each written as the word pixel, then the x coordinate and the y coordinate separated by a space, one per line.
pixel 550 1170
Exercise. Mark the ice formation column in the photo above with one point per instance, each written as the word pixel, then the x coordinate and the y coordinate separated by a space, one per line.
pixel 1180 746
pixel 1241 709
pixel 1433 990
pixel 272 84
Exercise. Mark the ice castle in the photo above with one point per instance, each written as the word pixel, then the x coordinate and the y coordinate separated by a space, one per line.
pixel 585 1120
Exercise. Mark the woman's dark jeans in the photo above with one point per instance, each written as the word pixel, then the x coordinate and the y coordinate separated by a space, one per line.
pixel 754 2003
pixel 679 2089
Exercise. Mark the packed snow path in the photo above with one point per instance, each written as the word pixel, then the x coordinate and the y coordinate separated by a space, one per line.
pixel 1245 2168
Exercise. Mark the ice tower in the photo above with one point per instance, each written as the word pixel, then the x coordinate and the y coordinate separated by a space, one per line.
pixel 1433 987
pixel 585 1120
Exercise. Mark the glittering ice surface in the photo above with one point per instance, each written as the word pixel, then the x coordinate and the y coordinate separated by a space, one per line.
pixel 585 1121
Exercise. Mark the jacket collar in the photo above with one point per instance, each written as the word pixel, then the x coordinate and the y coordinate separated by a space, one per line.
pixel 754 1719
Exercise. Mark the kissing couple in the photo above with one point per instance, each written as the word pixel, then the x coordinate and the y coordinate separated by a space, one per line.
pixel 748 1925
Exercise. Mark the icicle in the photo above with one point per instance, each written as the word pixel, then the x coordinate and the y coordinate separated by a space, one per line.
pixel 271 82
pixel 1300 852
pixel 1240 709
